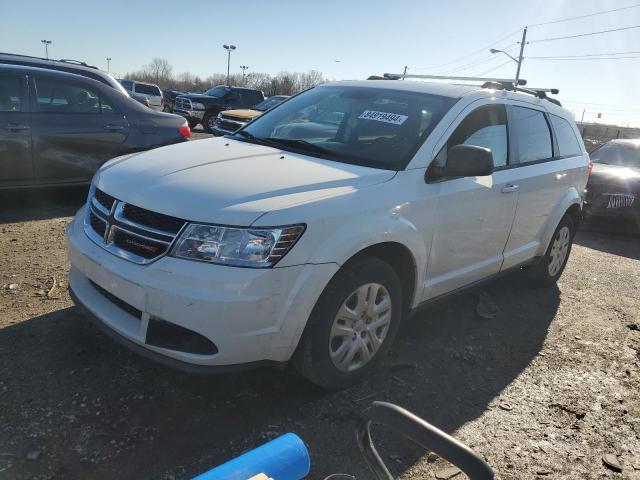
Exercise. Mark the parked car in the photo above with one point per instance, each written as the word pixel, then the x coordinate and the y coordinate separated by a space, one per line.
pixel 613 190
pixel 148 94
pixel 169 97
pixel 204 108
pixel 228 121
pixel 263 247
pixel 58 127
pixel 70 66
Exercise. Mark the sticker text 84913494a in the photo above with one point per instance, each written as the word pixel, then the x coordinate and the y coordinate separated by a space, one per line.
pixel 386 117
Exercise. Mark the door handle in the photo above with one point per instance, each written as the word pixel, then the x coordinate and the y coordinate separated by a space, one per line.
pixel 14 127
pixel 510 188
pixel 113 128
pixel 560 176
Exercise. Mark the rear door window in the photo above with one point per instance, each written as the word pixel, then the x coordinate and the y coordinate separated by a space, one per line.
pixel 11 94
pixel 55 96
pixel 532 135
pixel 148 89
pixel 568 145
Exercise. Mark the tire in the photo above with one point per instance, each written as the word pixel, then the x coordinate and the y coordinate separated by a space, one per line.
pixel 551 265
pixel 192 125
pixel 321 356
pixel 166 109
pixel 207 120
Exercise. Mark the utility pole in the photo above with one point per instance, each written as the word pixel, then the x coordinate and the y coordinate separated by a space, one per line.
pixel 108 63
pixel 520 58
pixel 228 48
pixel 582 120
pixel 46 47
pixel 404 74
pixel 244 68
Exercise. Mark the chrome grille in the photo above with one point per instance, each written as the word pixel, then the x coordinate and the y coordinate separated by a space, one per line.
pixel 129 231
pixel 183 104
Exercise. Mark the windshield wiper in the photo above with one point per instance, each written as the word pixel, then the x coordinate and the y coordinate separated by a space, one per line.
pixel 301 145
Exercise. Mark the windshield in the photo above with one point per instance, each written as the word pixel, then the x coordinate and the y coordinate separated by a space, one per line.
pixel 621 154
pixel 366 126
pixel 219 91
pixel 269 103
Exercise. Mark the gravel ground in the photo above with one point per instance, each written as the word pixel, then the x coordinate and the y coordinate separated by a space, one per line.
pixel 544 389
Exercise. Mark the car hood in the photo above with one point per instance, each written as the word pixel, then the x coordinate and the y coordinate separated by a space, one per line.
pixel 245 114
pixel 200 96
pixel 615 175
pixel 225 181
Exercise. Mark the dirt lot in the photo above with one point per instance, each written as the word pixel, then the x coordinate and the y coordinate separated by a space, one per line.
pixel 543 390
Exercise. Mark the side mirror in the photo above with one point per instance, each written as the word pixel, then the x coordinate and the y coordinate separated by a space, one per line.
pixel 466 161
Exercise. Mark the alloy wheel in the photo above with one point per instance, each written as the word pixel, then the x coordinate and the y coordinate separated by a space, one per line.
pixel 360 327
pixel 559 250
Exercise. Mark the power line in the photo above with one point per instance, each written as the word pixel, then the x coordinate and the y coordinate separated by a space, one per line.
pixel 480 61
pixel 551 39
pixel 480 50
pixel 571 59
pixel 592 55
pixel 494 68
pixel 586 16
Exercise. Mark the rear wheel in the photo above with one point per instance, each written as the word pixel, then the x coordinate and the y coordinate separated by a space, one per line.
pixel 352 325
pixel 192 125
pixel 552 264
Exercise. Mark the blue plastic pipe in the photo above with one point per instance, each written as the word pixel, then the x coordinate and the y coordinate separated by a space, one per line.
pixel 284 458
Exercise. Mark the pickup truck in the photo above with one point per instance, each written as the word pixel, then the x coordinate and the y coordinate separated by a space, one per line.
pixel 204 108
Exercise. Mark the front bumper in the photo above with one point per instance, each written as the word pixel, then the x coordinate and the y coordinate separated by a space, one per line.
pixel 192 116
pixel 251 315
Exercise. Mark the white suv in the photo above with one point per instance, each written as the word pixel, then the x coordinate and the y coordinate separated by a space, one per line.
pixel 313 231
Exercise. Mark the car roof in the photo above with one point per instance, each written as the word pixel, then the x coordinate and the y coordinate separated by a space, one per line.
pixel 49 71
pixel 69 66
pixel 451 90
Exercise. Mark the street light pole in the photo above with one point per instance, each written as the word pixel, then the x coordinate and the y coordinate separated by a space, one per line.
pixel 108 64
pixel 46 46
pixel 522 43
pixel 244 68
pixel 520 57
pixel 228 48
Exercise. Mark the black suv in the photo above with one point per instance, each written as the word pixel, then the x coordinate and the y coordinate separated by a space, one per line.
pixel 203 108
pixel 59 128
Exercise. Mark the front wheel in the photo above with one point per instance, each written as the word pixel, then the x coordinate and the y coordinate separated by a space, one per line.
pixel 208 121
pixel 352 325
pixel 552 264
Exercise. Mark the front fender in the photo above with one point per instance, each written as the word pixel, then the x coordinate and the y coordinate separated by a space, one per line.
pixel 570 198
pixel 354 236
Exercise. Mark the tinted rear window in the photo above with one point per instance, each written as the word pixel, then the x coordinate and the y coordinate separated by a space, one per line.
pixel 532 135
pixel 148 89
pixel 567 142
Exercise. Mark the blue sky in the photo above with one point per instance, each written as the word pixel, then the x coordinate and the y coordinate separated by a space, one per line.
pixel 348 39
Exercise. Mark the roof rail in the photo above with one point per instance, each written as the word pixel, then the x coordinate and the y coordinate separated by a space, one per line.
pixel 76 62
pixel 537 92
pixel 398 76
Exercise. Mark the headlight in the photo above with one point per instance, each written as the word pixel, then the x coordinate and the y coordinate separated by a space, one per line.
pixel 242 247
pixel 197 106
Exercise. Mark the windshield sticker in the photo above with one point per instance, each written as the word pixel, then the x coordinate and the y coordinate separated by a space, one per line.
pixel 383 117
